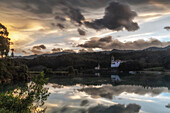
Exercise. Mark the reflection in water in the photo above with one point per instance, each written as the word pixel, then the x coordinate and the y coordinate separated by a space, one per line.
pixel 108 91
pixel 100 95
pixel 107 98
pixel 115 78
pixel 130 108
pixel 118 108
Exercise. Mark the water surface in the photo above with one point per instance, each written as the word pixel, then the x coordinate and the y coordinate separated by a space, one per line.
pixel 101 95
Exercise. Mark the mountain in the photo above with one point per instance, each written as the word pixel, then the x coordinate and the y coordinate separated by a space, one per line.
pixel 105 52
pixel 157 48
pixel 48 55
pixel 122 51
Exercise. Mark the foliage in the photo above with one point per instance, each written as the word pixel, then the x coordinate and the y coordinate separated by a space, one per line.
pixel 71 70
pixel 130 66
pixel 8 70
pixel 4 41
pixel 47 71
pixel 25 100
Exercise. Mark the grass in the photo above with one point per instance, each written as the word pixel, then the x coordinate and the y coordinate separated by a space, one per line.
pixel 155 69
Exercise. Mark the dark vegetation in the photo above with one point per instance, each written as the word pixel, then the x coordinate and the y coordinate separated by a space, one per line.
pixel 23 99
pixel 84 62
pixel 9 69
pixel 27 99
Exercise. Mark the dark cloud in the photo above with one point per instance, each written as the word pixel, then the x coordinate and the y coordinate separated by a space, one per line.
pixel 117 16
pixel 84 102
pixel 81 32
pixel 68 10
pixel 34 51
pixel 60 26
pixel 139 2
pixel 60 18
pixel 167 27
pixel 55 50
pixel 82 51
pixel 96 42
pixel 42 8
pixel 119 108
pixel 25 52
pixel 74 14
pixel 85 50
pixel 107 43
pixel 108 91
pixel 106 39
pixel 39 47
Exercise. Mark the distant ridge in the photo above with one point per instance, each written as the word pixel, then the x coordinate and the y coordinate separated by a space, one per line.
pixel 157 48
pixel 48 55
pixel 122 51
pixel 147 49
pixel 106 52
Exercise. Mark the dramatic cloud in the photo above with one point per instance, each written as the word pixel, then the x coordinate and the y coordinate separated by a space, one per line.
pixel 75 15
pixel 107 43
pixel 29 21
pixel 117 16
pixel 81 32
pixel 37 49
pixel 67 10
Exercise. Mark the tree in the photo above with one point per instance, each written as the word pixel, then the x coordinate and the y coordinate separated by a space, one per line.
pixel 130 66
pixel 70 70
pixel 27 99
pixel 4 41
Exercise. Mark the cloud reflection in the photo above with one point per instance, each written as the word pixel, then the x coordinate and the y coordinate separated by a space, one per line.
pixel 108 91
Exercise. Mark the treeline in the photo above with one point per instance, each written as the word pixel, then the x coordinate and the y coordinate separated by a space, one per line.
pixel 135 60
pixel 12 71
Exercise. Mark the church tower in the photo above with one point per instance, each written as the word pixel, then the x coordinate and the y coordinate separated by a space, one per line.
pixel 115 63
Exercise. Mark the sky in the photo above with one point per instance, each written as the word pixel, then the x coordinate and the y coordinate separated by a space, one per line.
pixel 49 26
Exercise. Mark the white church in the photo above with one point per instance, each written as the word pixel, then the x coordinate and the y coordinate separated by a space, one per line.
pixel 115 63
